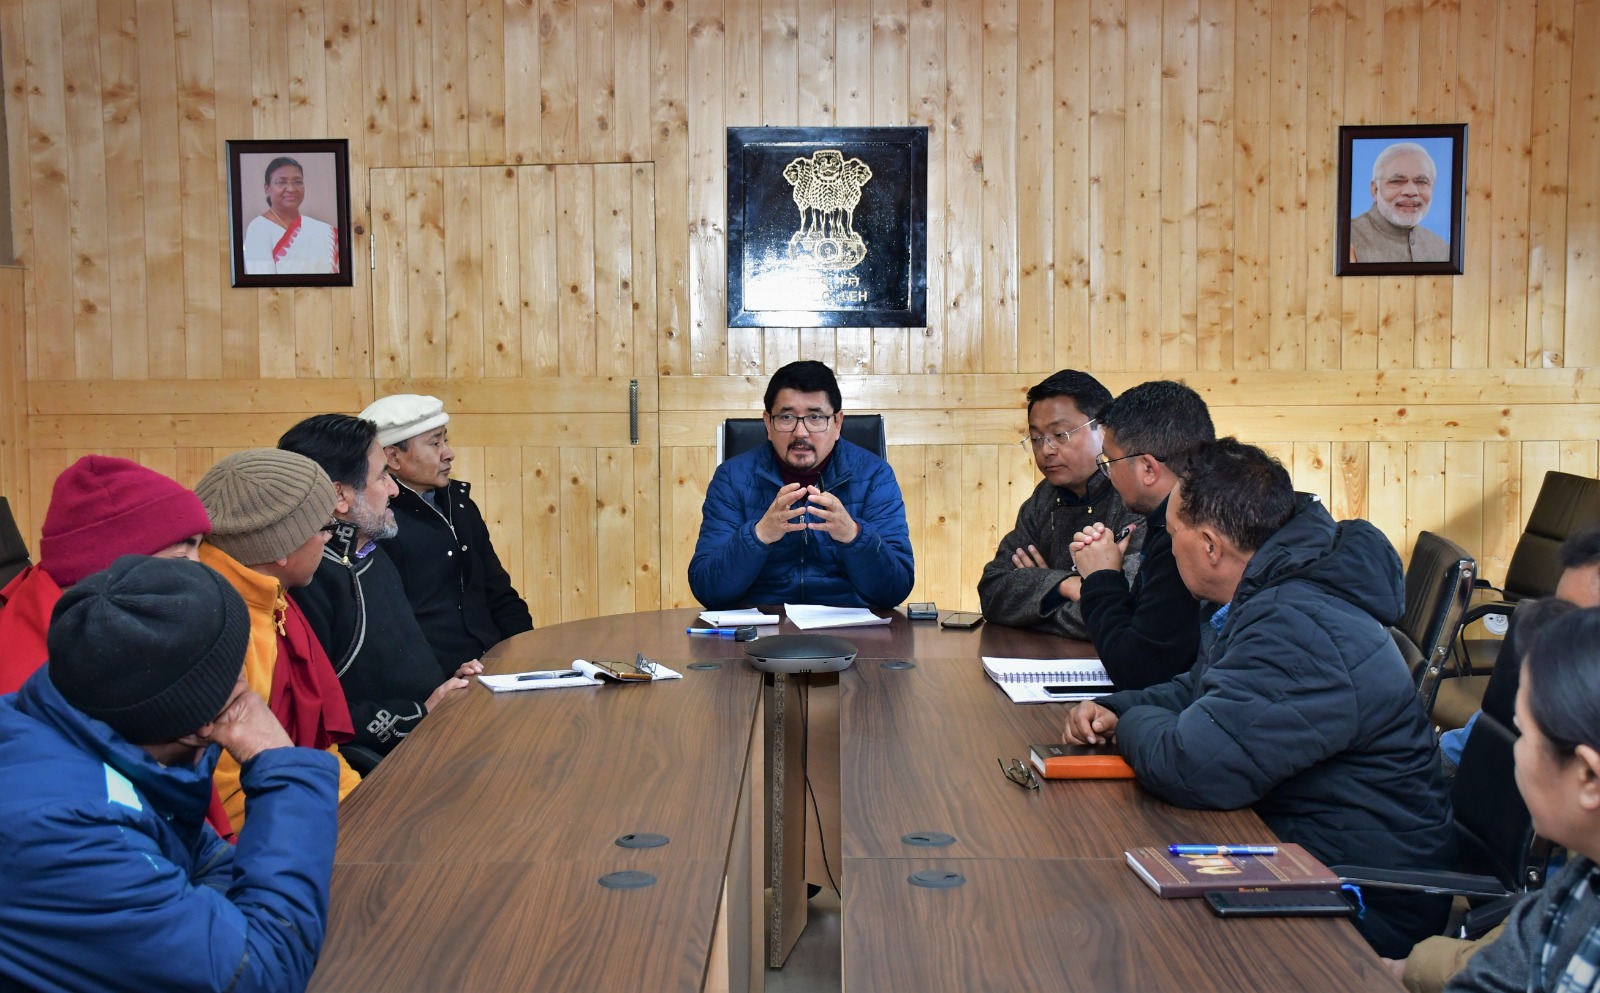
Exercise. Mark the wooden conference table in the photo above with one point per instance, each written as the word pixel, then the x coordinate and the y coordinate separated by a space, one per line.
pixel 470 859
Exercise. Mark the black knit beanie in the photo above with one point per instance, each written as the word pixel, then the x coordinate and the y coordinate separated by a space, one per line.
pixel 153 647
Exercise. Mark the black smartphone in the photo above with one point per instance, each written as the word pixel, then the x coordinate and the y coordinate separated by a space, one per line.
pixel 1280 903
pixel 922 611
pixel 961 620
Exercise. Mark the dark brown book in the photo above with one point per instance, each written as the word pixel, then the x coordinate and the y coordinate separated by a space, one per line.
pixel 1079 762
pixel 1293 868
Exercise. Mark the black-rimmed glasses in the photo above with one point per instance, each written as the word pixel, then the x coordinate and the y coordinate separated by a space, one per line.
pixel 814 422
pixel 1054 439
pixel 1019 773
pixel 1103 461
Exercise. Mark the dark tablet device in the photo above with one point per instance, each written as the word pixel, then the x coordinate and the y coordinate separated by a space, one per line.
pixel 1280 903
pixel 963 620
pixel 922 611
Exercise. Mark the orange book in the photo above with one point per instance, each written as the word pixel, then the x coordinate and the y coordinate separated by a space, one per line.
pixel 1079 762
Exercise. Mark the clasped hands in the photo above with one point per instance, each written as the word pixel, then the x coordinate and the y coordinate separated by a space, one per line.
pixel 1092 550
pixel 827 511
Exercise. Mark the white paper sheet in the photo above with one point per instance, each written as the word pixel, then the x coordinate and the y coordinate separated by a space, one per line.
pixel 808 617
pixel 738 618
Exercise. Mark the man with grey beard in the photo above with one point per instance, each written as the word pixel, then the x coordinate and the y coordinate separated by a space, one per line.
pixel 356 604
pixel 1402 189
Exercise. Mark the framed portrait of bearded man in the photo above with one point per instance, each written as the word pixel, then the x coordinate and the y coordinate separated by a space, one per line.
pixel 1402 200
pixel 827 227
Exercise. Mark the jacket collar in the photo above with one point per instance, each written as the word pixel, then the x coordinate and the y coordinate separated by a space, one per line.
pixel 181 792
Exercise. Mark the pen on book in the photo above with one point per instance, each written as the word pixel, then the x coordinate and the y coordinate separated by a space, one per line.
pixel 1223 849
pixel 564 674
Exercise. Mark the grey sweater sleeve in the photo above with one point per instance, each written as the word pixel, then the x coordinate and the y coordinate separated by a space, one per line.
pixel 1505 965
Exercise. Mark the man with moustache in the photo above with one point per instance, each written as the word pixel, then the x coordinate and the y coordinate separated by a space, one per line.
pixel 1391 230
pixel 356 603
pixel 810 518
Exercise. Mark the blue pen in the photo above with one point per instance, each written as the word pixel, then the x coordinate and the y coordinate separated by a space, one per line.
pixel 1223 849
pixel 713 632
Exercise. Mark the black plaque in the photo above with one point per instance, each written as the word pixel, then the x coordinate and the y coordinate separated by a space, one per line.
pixel 827 227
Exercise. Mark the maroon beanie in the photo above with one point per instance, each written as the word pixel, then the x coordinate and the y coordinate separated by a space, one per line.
pixel 103 507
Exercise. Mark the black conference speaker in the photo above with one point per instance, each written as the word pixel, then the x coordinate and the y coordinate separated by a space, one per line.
pixel 800 653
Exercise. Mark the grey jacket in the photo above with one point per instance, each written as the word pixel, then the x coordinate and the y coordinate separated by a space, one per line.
pixel 1505 965
pixel 1027 598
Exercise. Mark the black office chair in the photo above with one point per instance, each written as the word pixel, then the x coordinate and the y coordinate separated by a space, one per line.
pixel 13 550
pixel 741 434
pixel 1438 590
pixel 1565 505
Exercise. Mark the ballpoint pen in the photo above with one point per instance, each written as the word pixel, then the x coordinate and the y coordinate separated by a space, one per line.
pixel 1223 849
pixel 713 632
pixel 565 674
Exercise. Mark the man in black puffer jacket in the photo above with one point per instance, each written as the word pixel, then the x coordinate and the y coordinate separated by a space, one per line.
pixel 1299 704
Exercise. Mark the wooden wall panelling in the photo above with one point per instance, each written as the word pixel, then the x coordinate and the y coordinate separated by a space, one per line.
pixel 706 203
pixel 1513 124
pixel 1143 276
pixel 240 314
pixel 1252 204
pixel 465 223
pixel 1001 220
pixel 575 268
pixel 501 303
pixel 521 96
pixel 1070 171
pixel 198 150
pixel 891 352
pixel 669 149
pixel 558 80
pixel 1363 104
pixel 1325 67
pixel 981 516
pixel 962 320
pixel 425 331
pixel 1502 507
pixel 19 74
pixel 1425 491
pixel 925 43
pixel 1178 139
pixel 1581 345
pixel 853 84
pixel 1476 46
pixel 630 80
pixel 613 269
pixel 445 27
pixel 686 474
pixel 541 534
pixel 642 228
pixel 1548 183
pixel 1288 221
pixel 1107 186
pixel 596 90
pixel 1035 186
pixel 15 483
pixel 489 72
pixel 1463 495
pixel 1436 101
pixel 540 297
pixel 391 354
pixel 87 231
pixel 1215 176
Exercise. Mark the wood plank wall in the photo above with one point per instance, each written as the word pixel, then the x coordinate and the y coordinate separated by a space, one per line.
pixel 1140 188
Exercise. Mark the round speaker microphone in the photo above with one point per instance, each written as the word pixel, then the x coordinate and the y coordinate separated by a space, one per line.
pixel 800 653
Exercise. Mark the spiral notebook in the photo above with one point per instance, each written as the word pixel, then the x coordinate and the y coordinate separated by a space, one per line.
pixel 1049 680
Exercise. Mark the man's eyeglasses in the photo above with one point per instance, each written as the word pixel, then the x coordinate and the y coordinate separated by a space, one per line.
pixel 788 422
pixel 1019 774
pixel 1054 439
pixel 1103 461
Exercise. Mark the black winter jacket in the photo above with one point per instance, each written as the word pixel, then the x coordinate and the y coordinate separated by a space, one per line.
pixel 461 594
pixel 1302 708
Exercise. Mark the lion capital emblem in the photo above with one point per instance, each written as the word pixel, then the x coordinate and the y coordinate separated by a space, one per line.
pixel 826 190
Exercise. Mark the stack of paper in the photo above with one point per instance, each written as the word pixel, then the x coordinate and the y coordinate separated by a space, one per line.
pixel 737 618
pixel 581 674
pixel 807 617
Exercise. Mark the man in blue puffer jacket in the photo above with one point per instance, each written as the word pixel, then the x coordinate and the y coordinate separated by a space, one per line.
pixel 810 518
pixel 110 878
pixel 1299 704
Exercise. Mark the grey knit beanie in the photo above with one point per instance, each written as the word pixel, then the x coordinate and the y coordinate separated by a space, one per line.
pixel 151 646
pixel 264 503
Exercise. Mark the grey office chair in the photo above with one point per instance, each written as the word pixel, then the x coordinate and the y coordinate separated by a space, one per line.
pixel 741 434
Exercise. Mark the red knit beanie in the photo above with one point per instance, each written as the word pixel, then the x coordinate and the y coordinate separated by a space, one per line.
pixel 103 507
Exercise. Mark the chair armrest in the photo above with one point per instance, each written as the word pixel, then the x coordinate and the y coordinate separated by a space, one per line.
pixel 1423 881
pixel 1481 920
pixel 362 760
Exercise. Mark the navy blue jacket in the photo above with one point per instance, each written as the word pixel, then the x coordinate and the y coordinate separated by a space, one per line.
pixel 1302 708
pixel 111 879
pixel 732 568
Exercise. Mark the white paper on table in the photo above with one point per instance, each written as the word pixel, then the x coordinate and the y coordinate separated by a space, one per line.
pixel 738 618
pixel 508 682
pixel 1024 680
pixel 808 617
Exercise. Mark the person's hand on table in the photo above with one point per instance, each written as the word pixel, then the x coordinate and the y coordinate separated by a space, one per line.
pixel 470 669
pixel 1093 548
pixel 831 516
pixel 445 689
pixel 779 519
pixel 1088 723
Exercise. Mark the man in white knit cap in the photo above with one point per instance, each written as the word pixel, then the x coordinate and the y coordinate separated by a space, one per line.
pixel 462 595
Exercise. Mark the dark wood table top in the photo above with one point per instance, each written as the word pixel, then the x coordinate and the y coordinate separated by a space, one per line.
pixel 1076 924
pixel 917 753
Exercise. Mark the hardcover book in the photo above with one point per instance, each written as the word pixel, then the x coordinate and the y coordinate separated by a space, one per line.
pixel 1079 762
pixel 1293 868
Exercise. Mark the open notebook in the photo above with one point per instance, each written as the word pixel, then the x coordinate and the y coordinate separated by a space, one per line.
pixel 1049 680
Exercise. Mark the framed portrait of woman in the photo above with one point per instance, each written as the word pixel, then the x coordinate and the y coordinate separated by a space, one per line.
pixel 290 204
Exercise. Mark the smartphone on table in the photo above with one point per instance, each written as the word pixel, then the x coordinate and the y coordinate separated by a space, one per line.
pixel 962 620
